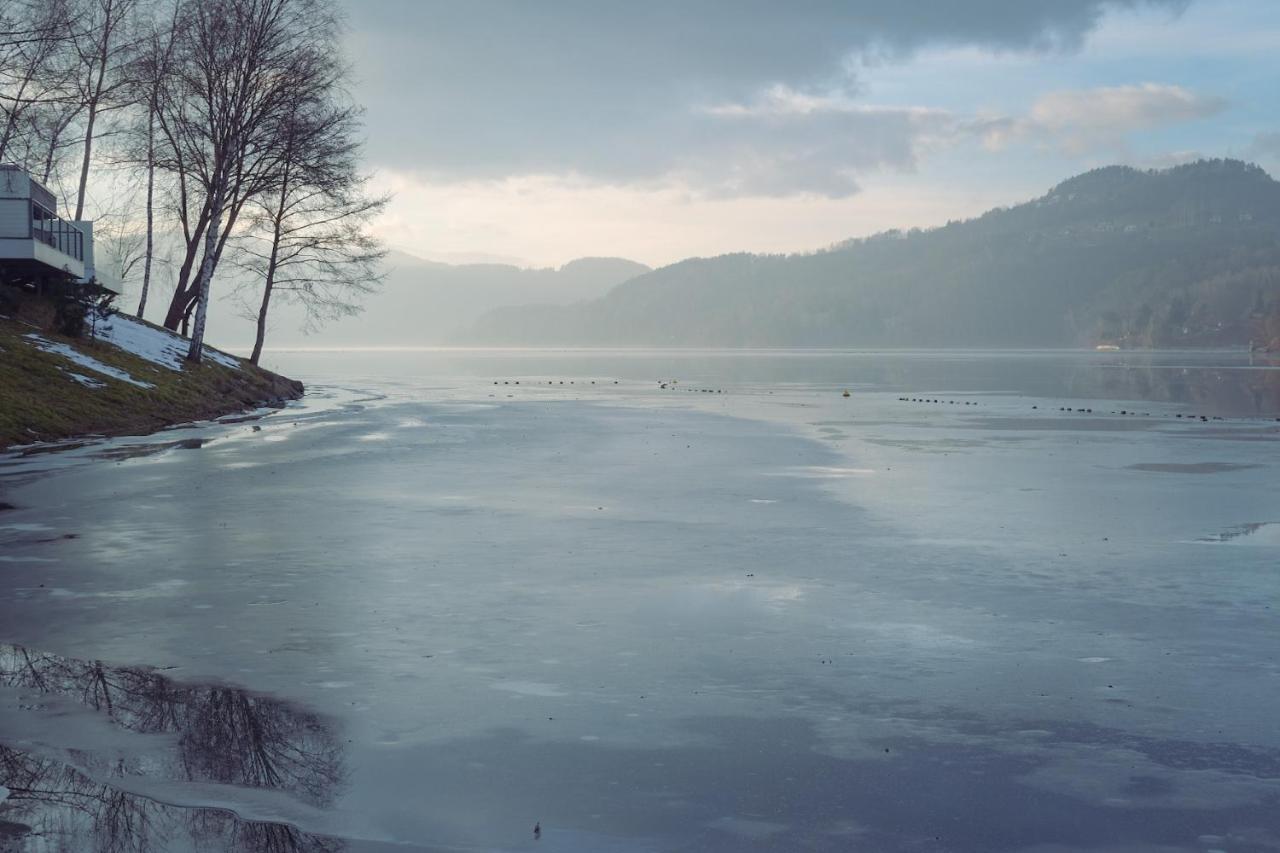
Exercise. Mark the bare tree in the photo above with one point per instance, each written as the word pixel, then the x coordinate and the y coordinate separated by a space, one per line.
pixel 49 125
pixel 105 48
pixel 119 248
pixel 39 141
pixel 154 62
pixel 34 74
pixel 239 68
pixel 309 240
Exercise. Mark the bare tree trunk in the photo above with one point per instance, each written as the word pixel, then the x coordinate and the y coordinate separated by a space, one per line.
pixel 55 139
pixel 184 292
pixel 157 74
pixel 151 187
pixel 48 158
pixel 270 282
pixel 96 92
pixel 262 311
pixel 84 162
pixel 4 137
pixel 205 278
pixel 180 303
pixel 188 299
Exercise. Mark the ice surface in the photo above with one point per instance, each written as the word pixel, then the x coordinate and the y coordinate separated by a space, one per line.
pixel 763 619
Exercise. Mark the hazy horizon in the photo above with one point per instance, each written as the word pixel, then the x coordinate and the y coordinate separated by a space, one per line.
pixel 1182 257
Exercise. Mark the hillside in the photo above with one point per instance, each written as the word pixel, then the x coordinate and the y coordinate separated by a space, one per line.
pixel 130 379
pixel 1188 256
pixel 424 302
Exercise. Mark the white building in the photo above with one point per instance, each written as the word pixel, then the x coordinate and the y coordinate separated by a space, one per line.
pixel 37 246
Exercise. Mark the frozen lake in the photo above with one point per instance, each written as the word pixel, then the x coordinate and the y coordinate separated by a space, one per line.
pixel 428 607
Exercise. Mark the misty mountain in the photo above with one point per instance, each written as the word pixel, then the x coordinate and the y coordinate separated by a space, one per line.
pixel 422 303
pixel 1187 256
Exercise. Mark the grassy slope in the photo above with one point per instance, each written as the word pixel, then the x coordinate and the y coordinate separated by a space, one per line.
pixel 39 401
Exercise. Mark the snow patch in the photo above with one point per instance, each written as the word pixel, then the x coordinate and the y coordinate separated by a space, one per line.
pixel 158 346
pixel 85 361
pixel 87 381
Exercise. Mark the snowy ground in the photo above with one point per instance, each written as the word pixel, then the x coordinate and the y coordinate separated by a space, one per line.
pixel 159 346
pixel 156 345
pixel 87 362
pixel 766 619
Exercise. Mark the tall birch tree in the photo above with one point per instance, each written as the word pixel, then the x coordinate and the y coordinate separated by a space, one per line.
pixel 238 68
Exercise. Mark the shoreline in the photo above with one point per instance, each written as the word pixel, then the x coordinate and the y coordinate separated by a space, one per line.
pixel 131 380
pixel 90 439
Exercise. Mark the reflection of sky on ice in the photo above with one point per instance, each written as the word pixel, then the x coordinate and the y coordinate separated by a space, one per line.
pixel 820 622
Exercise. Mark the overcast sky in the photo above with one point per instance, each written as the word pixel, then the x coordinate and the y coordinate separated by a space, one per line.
pixel 538 132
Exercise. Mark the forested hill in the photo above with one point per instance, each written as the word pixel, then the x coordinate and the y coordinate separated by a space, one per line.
pixel 1187 256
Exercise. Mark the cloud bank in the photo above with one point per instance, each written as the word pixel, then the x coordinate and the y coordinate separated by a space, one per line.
pixel 725 97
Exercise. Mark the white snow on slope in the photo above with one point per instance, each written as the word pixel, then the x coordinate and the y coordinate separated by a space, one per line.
pixel 158 346
pixel 85 361
pixel 87 381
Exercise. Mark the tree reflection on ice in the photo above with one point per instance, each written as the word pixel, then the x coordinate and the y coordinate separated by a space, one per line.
pixel 218 734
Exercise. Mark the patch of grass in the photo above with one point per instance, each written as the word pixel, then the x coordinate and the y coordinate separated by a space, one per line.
pixel 40 401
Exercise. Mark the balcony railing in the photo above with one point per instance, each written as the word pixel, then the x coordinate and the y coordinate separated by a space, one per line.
pixel 61 235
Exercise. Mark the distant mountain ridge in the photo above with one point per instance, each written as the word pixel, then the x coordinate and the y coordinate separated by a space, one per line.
pixel 428 303
pixel 1186 256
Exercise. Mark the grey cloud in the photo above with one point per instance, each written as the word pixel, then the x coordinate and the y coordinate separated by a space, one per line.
pixel 618 90
pixel 820 152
